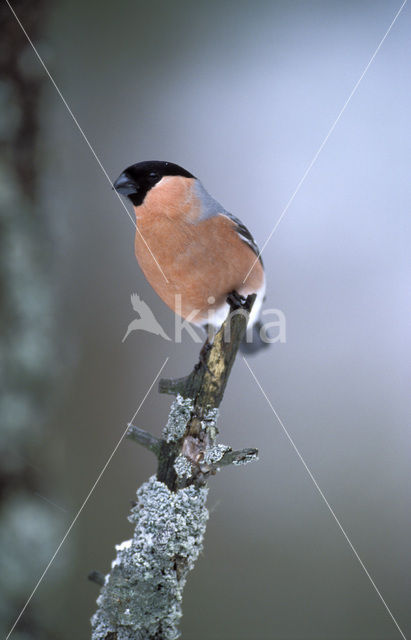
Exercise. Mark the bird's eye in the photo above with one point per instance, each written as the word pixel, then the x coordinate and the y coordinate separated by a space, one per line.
pixel 154 175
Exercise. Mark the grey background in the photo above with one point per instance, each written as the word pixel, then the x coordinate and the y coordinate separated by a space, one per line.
pixel 242 94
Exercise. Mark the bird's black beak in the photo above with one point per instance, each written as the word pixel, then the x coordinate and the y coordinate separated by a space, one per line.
pixel 125 185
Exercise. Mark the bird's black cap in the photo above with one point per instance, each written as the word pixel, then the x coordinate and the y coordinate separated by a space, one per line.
pixel 138 179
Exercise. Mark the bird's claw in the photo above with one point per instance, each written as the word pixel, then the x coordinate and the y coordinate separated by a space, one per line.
pixel 235 300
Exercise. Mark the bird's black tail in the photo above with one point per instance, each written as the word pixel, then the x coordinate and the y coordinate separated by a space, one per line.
pixel 252 342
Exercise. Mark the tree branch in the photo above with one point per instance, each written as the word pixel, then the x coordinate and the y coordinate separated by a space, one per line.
pixel 144 438
pixel 141 596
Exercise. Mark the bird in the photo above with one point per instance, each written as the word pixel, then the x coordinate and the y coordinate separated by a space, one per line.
pixel 192 251
pixel 146 321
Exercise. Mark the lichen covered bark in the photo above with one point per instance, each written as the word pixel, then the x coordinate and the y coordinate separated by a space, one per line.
pixel 142 595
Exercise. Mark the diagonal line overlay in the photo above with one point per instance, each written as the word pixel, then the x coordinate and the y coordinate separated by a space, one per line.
pixel 86 140
pixel 322 145
pixel 317 486
pixel 85 502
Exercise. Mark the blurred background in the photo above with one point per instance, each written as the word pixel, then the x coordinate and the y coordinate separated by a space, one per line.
pixel 241 94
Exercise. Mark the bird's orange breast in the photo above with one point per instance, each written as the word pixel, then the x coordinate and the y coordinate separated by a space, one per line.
pixel 203 260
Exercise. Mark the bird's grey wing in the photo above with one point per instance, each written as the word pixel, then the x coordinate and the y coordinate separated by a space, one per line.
pixel 211 208
pixel 244 234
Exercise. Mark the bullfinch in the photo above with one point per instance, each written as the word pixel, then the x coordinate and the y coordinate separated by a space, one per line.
pixel 192 251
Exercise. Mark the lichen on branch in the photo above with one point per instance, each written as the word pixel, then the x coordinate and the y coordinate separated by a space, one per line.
pixel 141 596
pixel 143 593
